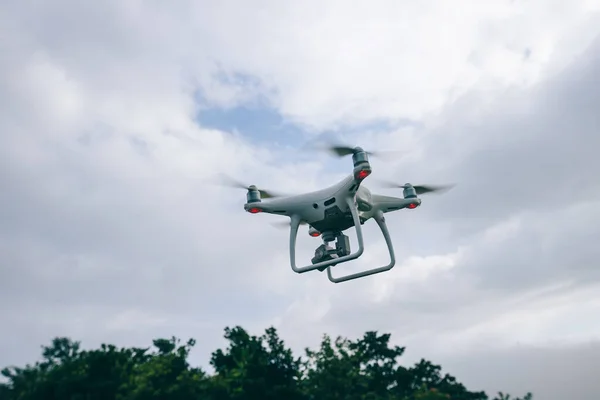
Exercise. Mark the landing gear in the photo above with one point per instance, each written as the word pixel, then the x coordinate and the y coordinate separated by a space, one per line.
pixel 325 252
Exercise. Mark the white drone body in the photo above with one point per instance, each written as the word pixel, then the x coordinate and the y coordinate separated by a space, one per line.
pixel 331 211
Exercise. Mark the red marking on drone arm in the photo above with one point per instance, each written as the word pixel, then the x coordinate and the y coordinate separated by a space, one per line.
pixel 254 210
pixel 362 174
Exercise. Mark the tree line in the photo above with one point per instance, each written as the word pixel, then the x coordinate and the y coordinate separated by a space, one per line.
pixel 251 367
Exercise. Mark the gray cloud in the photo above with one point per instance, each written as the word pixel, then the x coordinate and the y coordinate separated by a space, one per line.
pixel 557 372
pixel 530 147
pixel 530 155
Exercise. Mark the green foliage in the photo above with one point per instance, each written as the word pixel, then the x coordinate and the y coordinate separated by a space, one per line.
pixel 251 367
pixel 255 368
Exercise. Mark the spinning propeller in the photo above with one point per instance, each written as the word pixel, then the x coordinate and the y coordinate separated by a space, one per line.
pixel 342 150
pixel 420 189
pixel 264 194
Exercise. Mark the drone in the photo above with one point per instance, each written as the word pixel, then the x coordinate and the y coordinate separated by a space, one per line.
pixel 331 211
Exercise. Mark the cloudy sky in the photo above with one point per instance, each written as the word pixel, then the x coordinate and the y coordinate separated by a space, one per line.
pixel 116 116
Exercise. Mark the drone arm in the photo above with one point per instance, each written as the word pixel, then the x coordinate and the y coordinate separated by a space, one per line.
pixel 295 223
pixel 386 204
pixel 380 219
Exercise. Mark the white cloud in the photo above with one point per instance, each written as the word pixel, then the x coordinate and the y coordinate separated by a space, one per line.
pixel 109 224
pixel 331 63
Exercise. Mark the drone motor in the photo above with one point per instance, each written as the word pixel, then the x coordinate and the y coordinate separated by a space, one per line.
pixel 409 191
pixel 362 167
pixel 359 156
pixel 253 195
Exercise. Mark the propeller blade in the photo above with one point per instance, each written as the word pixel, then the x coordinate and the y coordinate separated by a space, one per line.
pixel 225 180
pixel 387 154
pixel 230 182
pixel 420 189
pixel 342 150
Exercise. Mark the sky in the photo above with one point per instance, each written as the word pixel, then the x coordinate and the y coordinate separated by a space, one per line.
pixel 116 119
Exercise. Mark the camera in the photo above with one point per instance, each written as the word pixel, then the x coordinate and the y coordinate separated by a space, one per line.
pixel 325 252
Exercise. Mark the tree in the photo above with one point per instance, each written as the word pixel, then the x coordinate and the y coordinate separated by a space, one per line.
pixel 503 396
pixel 255 367
pixel 66 372
pixel 251 367
pixel 58 372
pixel 345 369
pixel 426 377
pixel 165 374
